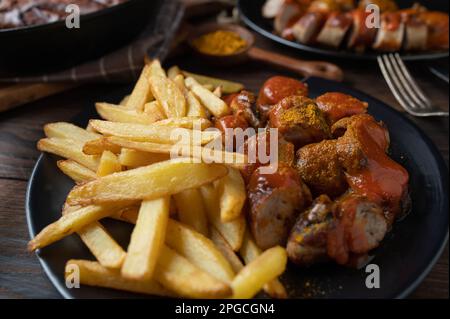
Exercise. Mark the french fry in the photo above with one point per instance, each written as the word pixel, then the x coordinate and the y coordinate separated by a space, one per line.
pixel 186 122
pixel 109 163
pixel 155 110
pixel 167 93
pixel 199 250
pixel 155 69
pixel 75 171
pixel 70 223
pixel 147 239
pixel 218 91
pixel 226 250
pixel 232 194
pixel 69 131
pixel 191 210
pixel 179 81
pixel 233 231
pixel 179 275
pixel 141 93
pixel 194 107
pixel 117 113
pixel 173 72
pixel 250 251
pixel 98 146
pixel 151 133
pixel 102 245
pixel 124 100
pixel 96 238
pixel 69 149
pixel 148 182
pixel 213 103
pixel 266 267
pixel 133 158
pixel 228 87
pixel 92 273
pixel 194 152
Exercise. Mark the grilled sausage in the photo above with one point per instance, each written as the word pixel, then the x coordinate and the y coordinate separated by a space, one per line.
pixel 307 243
pixel 336 106
pixel 390 36
pixel 299 120
pixel 275 201
pixel 335 29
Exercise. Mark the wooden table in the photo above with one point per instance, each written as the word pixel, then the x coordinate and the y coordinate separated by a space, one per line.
pixel 21 275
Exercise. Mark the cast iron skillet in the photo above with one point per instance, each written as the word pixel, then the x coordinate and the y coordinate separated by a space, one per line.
pixel 405 257
pixel 53 46
pixel 250 11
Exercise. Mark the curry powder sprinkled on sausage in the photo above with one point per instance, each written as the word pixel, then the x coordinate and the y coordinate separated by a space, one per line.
pixel 219 42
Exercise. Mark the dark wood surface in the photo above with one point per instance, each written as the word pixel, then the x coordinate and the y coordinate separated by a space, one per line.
pixel 21 275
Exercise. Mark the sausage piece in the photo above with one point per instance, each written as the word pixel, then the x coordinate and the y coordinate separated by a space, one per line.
pixel 275 201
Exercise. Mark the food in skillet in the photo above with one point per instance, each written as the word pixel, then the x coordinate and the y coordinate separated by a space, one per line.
pixel 19 13
pixel 211 228
pixel 342 23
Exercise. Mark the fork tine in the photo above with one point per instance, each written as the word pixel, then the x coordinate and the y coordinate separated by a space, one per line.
pixel 412 81
pixel 393 84
pixel 407 86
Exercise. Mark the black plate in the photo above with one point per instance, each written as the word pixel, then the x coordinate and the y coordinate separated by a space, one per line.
pixel 53 46
pixel 405 257
pixel 250 11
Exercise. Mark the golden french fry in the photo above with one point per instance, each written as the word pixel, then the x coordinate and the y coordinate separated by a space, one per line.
pixel 155 110
pixel 250 251
pixel 102 245
pixel 75 171
pixel 191 210
pixel 95 237
pixel 199 250
pixel 265 268
pixel 70 223
pixel 91 273
pixel 167 93
pixel 194 107
pixel 69 149
pixel 228 87
pixel 218 91
pixel 226 250
pixel 232 231
pixel 155 69
pixel 208 86
pixel 147 239
pixel 90 129
pixel 109 163
pixel 196 123
pixel 151 133
pixel 213 103
pixel 173 72
pixel 148 182
pixel 141 93
pixel 117 113
pixel 179 275
pixel 232 194
pixel 193 152
pixel 98 146
pixel 124 100
pixel 179 81
pixel 133 158
pixel 69 131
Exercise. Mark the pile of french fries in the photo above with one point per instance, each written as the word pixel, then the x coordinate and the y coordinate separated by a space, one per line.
pixel 190 237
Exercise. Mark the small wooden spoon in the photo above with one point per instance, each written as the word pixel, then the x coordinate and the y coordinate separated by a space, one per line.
pixel 305 68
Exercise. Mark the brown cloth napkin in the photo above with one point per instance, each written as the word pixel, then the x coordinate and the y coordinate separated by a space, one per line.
pixel 124 64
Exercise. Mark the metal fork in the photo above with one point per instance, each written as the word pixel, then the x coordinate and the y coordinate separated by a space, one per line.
pixel 405 88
